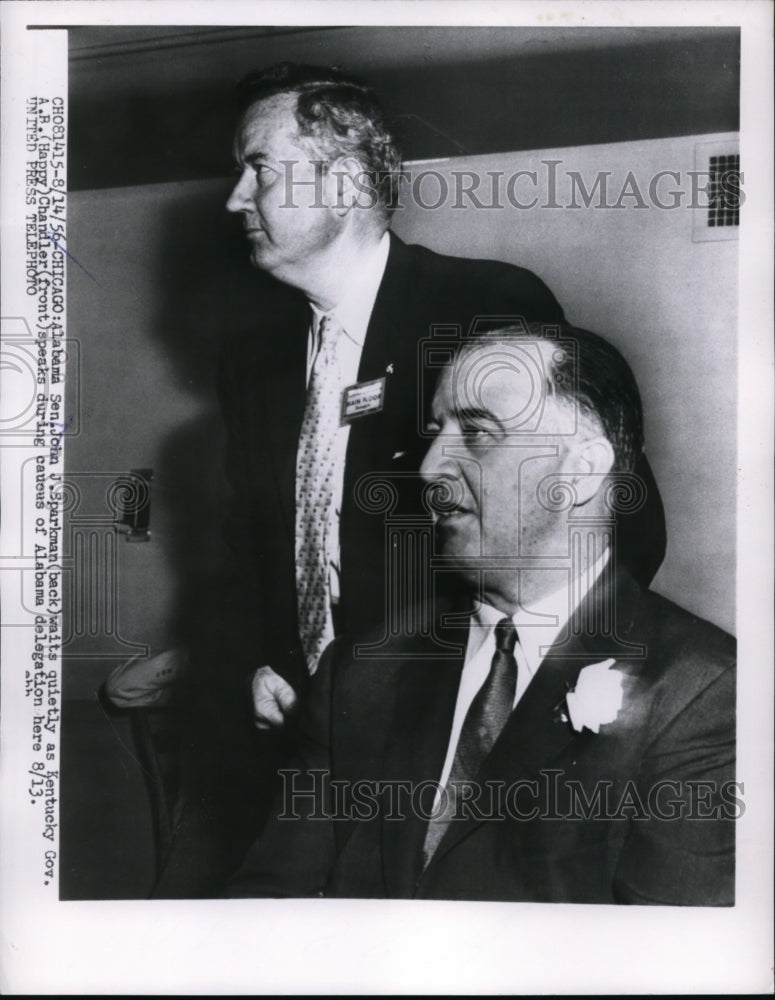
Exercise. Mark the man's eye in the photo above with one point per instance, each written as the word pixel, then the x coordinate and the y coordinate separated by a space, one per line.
pixel 260 170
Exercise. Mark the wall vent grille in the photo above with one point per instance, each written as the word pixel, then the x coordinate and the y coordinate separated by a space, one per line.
pixel 717 213
pixel 723 193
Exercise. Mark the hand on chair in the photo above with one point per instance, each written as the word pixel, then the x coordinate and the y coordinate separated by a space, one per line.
pixel 273 698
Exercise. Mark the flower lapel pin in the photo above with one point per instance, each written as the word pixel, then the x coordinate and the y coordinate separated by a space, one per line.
pixel 596 698
pixel 389 370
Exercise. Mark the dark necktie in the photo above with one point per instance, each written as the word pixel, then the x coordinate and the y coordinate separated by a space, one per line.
pixel 482 725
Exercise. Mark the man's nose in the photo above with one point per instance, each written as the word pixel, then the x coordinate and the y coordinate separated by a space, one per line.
pixel 436 463
pixel 445 488
pixel 241 198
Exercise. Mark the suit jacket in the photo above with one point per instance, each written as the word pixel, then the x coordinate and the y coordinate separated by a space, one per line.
pixel 639 812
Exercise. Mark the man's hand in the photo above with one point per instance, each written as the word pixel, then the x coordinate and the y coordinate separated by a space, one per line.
pixel 273 698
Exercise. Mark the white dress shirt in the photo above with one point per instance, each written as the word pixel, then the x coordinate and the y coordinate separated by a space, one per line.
pixel 537 624
pixel 352 313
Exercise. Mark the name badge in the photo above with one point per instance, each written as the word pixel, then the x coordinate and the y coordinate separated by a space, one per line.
pixel 362 399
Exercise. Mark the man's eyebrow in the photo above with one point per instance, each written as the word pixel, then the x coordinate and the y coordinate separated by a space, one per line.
pixel 255 157
pixel 474 414
pixel 251 159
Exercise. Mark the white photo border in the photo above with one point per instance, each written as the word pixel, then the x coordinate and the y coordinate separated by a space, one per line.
pixel 319 946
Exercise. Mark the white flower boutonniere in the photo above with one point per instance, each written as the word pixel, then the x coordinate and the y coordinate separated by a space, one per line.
pixel 597 697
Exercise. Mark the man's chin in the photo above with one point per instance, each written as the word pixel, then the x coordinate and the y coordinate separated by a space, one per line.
pixel 259 257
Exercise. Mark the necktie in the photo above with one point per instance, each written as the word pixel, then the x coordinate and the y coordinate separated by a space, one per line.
pixel 316 460
pixel 482 725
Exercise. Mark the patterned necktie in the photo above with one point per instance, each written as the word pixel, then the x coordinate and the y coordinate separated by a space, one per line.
pixel 315 470
pixel 482 725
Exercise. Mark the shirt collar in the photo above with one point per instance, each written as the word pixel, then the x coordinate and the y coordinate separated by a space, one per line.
pixel 539 623
pixel 353 311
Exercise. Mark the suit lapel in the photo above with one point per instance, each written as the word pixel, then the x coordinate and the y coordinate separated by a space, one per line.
pixel 535 734
pixel 392 328
pixel 385 444
pixel 389 351
pixel 532 738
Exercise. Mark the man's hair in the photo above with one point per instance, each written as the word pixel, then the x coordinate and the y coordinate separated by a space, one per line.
pixel 339 116
pixel 593 377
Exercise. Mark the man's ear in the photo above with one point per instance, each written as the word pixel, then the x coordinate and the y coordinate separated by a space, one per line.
pixel 586 465
pixel 345 178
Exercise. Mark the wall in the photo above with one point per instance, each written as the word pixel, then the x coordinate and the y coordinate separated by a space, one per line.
pixel 670 304
pixel 168 279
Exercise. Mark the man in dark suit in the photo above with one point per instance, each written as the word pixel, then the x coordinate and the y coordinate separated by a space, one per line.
pixel 330 248
pixel 318 175
pixel 572 738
